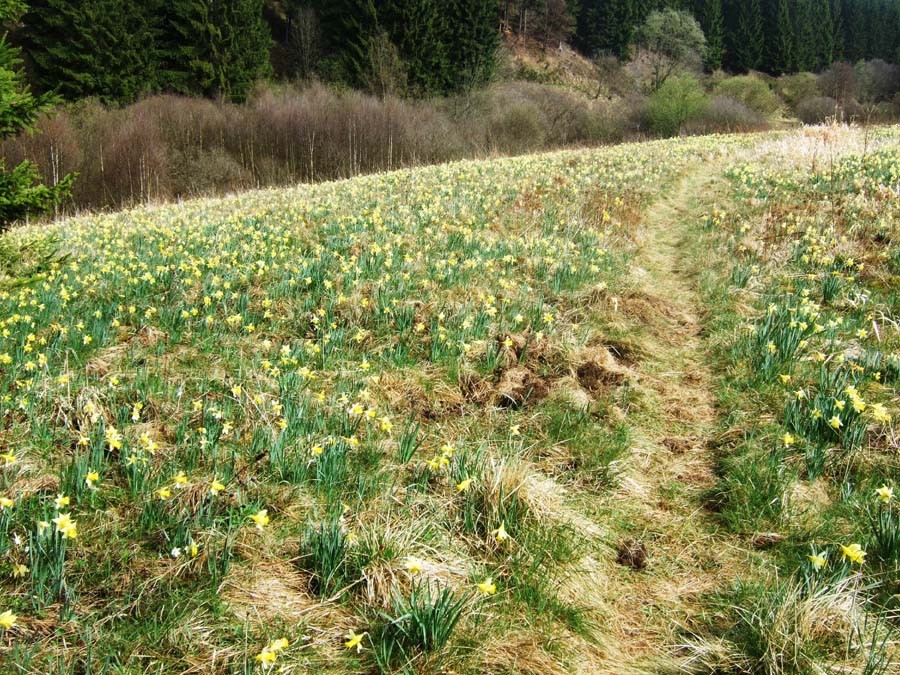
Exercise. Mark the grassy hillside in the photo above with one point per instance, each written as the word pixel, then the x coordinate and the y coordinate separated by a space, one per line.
pixel 514 416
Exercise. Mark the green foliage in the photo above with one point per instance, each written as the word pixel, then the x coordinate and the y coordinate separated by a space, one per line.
pixel 752 92
pixel 710 15
pixel 746 42
pixel 21 194
pixel 25 260
pixel 673 40
pixel 102 48
pixel 436 48
pixel 674 103
pixel 781 27
pixel 797 87
pixel 424 621
pixel 323 552
pixel 606 26
pixel 215 48
pixel 118 50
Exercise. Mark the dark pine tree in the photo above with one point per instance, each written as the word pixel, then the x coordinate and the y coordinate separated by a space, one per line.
pixel 21 193
pixel 216 48
pixel 745 41
pixel 856 39
pixel 472 40
pixel 837 24
pixel 781 40
pixel 823 24
pixel 709 14
pixel 805 35
pixel 418 28
pixel 103 48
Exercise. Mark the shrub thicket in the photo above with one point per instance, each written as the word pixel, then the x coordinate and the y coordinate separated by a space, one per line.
pixel 165 147
pixel 752 91
pixel 678 100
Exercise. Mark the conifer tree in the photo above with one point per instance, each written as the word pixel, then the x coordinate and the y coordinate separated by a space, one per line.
pixel 21 193
pixel 709 14
pixel 781 30
pixel 746 44
pixel 805 35
pixel 101 48
pixel 837 25
pixel 472 41
pixel 823 27
pixel 216 48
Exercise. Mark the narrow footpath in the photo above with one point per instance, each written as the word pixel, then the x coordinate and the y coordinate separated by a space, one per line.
pixel 658 506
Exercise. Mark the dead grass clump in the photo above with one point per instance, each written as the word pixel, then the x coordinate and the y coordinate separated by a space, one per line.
pixel 273 590
pixel 518 652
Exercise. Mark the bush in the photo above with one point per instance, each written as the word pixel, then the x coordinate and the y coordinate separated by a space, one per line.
pixel 725 114
pixel 794 88
pixel 752 92
pixel 678 100
pixel 839 82
pixel 817 109
pixel 878 81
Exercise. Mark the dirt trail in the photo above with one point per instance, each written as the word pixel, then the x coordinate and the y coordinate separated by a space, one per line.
pixel 659 502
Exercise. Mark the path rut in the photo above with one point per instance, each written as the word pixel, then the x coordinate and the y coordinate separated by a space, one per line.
pixel 660 498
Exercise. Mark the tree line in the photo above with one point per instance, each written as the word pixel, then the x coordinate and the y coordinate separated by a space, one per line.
pixel 774 36
pixel 118 50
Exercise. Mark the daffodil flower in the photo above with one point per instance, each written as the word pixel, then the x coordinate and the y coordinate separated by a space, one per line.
pixel 261 518
pixel 66 526
pixel 7 619
pixel 817 561
pixel 488 587
pixel 854 553
pixel 354 640
pixel 885 494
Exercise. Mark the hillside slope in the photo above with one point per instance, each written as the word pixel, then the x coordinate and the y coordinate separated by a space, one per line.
pixel 500 416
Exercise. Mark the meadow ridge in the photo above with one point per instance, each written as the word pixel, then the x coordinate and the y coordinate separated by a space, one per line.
pixel 618 410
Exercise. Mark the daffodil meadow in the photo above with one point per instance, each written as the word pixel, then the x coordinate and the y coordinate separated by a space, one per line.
pixel 400 423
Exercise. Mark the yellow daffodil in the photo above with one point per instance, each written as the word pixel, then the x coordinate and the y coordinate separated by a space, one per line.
pixel 413 566
pixel 61 501
pixel 500 534
pixel 854 553
pixel 7 619
pixel 817 561
pixel 885 493
pixel 464 485
pixel 488 587
pixel 354 640
pixel 215 487
pixel 261 518
pixel 880 414
pixel 66 526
